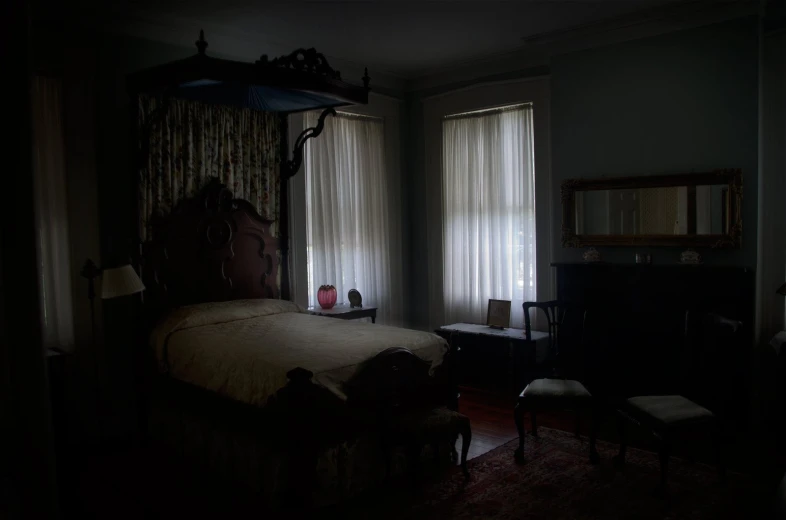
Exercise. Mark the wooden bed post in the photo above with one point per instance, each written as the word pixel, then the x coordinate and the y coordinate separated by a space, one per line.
pixel 289 167
pixel 283 218
pixel 295 410
pixel 143 359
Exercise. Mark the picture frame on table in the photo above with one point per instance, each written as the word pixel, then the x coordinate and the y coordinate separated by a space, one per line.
pixel 498 315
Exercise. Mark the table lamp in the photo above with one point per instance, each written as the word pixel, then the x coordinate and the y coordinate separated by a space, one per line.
pixel 120 281
pixel 117 281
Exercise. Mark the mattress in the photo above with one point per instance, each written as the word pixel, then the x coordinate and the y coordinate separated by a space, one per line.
pixel 243 349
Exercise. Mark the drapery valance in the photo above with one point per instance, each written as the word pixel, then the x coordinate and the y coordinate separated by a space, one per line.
pixel 194 141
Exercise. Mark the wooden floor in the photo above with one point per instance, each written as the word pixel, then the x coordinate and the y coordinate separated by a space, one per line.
pixel 491 416
pixel 104 485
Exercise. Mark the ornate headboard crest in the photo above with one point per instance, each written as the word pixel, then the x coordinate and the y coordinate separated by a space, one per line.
pixel 212 247
pixel 308 60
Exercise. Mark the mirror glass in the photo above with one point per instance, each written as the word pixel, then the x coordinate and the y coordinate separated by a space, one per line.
pixel 677 210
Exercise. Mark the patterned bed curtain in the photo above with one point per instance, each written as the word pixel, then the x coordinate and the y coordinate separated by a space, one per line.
pixel 195 141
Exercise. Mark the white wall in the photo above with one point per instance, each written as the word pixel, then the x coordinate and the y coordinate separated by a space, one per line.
pixel 381 106
pixel 535 91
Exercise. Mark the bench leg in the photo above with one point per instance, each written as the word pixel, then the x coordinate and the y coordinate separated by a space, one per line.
pixel 718 441
pixel 579 413
pixel 619 459
pixel 466 438
pixel 534 417
pixel 594 420
pixel 663 454
pixel 386 452
pixel 518 417
pixel 413 455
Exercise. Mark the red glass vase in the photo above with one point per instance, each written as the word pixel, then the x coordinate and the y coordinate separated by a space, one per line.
pixel 326 296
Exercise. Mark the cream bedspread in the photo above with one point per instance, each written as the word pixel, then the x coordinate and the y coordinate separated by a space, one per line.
pixel 243 349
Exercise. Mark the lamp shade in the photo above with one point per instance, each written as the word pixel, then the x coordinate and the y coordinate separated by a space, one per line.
pixel 120 281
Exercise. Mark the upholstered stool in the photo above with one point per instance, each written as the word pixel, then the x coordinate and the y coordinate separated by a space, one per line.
pixel 414 429
pixel 667 416
pixel 697 394
pixel 669 410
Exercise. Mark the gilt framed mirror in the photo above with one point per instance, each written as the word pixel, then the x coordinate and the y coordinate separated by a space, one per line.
pixel 687 210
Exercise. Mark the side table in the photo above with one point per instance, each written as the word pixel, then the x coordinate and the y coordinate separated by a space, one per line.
pixel 345 312
pixel 490 356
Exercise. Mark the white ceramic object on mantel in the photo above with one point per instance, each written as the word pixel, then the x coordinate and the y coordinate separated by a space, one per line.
pixel 689 256
pixel 591 255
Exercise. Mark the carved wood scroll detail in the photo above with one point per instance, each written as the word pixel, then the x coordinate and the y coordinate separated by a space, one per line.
pixel 307 60
pixel 291 166
pixel 212 247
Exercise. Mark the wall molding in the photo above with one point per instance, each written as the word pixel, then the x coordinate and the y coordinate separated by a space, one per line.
pixel 537 50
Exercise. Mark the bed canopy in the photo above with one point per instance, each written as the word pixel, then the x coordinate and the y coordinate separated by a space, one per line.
pixel 300 81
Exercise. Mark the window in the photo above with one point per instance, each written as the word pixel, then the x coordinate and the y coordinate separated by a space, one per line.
pixel 348 212
pixel 488 195
pixel 51 213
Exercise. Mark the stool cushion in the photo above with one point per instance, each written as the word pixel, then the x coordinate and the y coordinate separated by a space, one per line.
pixel 669 409
pixel 561 388
pixel 437 421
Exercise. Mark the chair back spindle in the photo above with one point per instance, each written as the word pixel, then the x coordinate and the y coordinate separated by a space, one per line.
pixel 559 361
pixel 707 359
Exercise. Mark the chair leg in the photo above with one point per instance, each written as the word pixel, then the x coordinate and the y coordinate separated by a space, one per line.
pixel 594 419
pixel 718 440
pixel 518 417
pixel 414 463
pixel 619 458
pixel 534 417
pixel 663 453
pixel 387 454
pixel 340 472
pixel 466 438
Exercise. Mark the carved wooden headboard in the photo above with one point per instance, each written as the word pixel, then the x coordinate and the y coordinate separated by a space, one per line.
pixel 212 247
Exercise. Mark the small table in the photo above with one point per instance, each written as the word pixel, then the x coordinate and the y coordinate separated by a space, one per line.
pixel 487 354
pixel 344 312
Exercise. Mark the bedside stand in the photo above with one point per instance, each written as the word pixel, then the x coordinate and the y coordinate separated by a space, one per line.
pixel 345 312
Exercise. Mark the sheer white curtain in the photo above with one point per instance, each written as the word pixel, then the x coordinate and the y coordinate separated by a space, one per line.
pixel 54 265
pixel 488 190
pixel 349 214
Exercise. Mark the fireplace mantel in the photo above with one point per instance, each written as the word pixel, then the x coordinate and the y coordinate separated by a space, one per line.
pixel 643 310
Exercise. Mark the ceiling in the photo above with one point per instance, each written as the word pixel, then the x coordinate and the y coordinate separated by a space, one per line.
pixel 402 39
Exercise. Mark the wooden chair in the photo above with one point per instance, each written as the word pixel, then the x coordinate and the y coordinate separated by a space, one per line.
pixel 399 399
pixel 555 390
pixel 699 392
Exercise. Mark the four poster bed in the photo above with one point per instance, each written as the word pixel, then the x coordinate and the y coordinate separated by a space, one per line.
pixel 239 375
